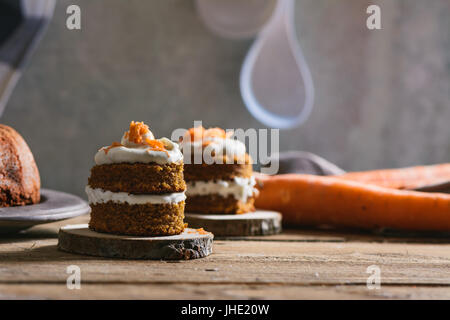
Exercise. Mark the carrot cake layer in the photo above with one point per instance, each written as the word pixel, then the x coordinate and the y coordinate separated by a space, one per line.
pixel 138 219
pixel 218 173
pixel 215 204
pixel 193 172
pixel 138 178
pixel 137 186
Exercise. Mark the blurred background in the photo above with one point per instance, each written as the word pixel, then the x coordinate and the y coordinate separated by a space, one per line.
pixel 382 97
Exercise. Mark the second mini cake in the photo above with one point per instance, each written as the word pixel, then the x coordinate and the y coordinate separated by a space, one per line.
pixel 137 186
pixel 218 173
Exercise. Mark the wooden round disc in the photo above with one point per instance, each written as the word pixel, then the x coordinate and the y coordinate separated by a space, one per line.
pixel 259 222
pixel 189 245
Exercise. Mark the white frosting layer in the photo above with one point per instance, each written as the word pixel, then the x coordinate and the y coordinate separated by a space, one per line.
pixel 133 153
pixel 98 195
pixel 218 147
pixel 239 188
pixel 130 144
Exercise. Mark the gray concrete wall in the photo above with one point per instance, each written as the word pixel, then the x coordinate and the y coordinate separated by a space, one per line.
pixel 382 97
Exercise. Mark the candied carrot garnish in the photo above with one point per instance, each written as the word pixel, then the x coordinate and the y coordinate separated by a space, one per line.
pixel 136 131
pixel 113 145
pixel 195 133
pixel 198 133
pixel 156 145
pixel 199 231
pixel 215 133
pixel 202 231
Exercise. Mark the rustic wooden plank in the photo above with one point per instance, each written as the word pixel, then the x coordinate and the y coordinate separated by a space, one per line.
pixel 288 235
pixel 219 291
pixel 295 265
pixel 251 262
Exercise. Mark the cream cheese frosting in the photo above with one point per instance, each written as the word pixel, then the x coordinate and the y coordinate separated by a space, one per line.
pixel 139 154
pixel 240 188
pixel 131 152
pixel 219 145
pixel 211 146
pixel 215 149
pixel 97 195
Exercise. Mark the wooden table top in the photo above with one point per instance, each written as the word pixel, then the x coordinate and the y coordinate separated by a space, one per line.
pixel 297 264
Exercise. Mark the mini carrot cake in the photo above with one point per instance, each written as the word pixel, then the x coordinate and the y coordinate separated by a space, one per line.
pixel 218 173
pixel 136 186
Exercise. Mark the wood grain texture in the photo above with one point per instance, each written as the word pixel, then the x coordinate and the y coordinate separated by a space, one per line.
pixel 256 223
pixel 188 245
pixel 297 264
pixel 217 291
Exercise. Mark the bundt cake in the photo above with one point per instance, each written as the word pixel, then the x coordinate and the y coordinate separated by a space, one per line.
pixel 19 176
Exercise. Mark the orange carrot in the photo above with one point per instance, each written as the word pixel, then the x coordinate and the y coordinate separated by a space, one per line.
pixel 307 200
pixel 405 178
pixel 113 145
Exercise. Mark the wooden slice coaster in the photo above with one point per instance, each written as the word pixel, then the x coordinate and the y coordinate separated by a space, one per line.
pixel 189 245
pixel 259 222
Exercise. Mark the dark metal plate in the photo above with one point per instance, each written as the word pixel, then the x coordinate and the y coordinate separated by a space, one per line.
pixel 54 206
